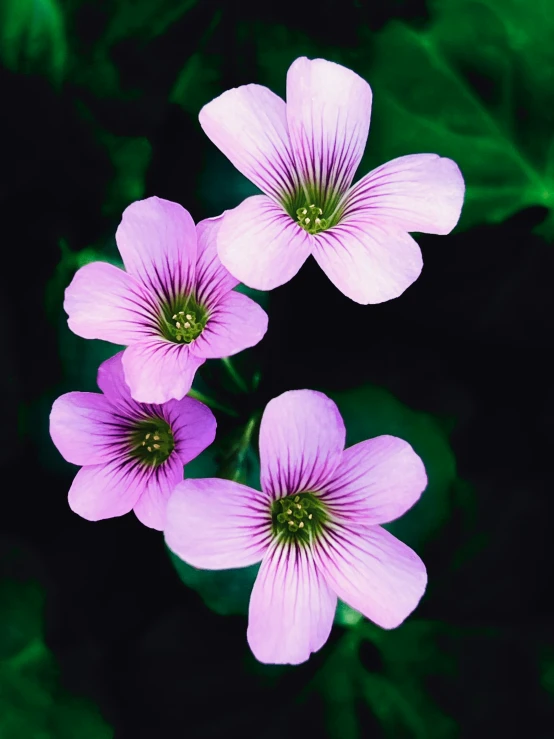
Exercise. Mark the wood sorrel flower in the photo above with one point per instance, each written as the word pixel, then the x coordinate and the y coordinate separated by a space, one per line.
pixel 314 527
pixel 303 155
pixel 132 454
pixel 173 307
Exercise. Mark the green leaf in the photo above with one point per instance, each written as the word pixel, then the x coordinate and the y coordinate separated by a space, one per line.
pixel 32 37
pixel 456 88
pixel 130 157
pixel 226 592
pixel 396 694
pixel 32 703
pixel 144 19
pixel 370 411
pixel 198 82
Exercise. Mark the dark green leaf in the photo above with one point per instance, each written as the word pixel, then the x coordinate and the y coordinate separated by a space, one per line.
pixel 32 37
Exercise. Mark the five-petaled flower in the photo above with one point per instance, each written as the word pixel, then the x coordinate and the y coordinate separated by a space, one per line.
pixel 132 454
pixel 173 307
pixel 303 156
pixel 315 527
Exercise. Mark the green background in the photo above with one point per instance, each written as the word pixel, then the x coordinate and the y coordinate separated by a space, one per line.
pixel 102 633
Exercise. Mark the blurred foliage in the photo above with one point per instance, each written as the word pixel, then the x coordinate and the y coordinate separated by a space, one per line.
pixel 472 83
pixel 32 703
pixel 33 37
pixel 391 682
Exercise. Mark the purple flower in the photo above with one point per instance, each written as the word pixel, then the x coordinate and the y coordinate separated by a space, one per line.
pixel 314 527
pixel 132 454
pixel 303 155
pixel 173 307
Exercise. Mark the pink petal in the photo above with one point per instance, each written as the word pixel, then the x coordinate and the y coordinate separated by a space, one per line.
pixel 367 261
pixel 111 380
pixel 157 242
pixel 291 607
pixel 193 426
pixel 328 112
pixel 81 426
pixel 249 125
pixel 213 281
pixel 237 322
pixel 261 245
pixel 157 371
pixel 105 491
pixel 376 481
pixel 104 302
pixel 301 440
pixel 150 508
pixel 373 572
pixel 218 524
pixel 420 192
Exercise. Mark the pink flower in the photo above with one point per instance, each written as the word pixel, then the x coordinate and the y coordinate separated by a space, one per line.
pixel 173 307
pixel 314 527
pixel 132 454
pixel 303 155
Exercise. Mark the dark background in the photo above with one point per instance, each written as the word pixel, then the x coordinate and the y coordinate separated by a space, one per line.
pixel 106 113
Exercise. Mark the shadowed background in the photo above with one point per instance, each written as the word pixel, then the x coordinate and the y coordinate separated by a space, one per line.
pixel 103 634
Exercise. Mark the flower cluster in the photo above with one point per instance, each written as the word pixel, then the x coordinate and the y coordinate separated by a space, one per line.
pixel 315 526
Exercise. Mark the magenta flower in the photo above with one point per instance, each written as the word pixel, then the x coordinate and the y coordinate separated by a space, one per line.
pixel 173 307
pixel 314 527
pixel 132 454
pixel 303 156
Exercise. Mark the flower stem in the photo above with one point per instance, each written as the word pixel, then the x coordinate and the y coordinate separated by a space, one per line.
pixel 237 379
pixel 244 444
pixel 212 403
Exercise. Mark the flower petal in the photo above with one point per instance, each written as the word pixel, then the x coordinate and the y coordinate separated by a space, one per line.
pixel 261 245
pixel 367 261
pixel 150 508
pixel 218 524
pixel 301 440
pixel 376 481
pixel 213 281
pixel 373 572
pixel 420 192
pixel 104 302
pixel 157 242
pixel 193 426
pixel 105 491
pixel 328 112
pixel 157 371
pixel 237 322
pixel 249 125
pixel 291 607
pixel 111 380
pixel 81 425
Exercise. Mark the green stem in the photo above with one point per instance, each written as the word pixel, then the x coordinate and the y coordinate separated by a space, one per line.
pixel 237 379
pixel 245 443
pixel 212 403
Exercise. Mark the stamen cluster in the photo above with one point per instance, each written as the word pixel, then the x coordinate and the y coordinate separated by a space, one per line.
pixel 310 218
pixel 152 441
pixel 299 516
pixel 185 325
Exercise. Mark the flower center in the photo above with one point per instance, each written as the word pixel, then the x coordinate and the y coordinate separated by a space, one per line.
pixel 299 517
pixel 152 441
pixel 183 323
pixel 310 217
